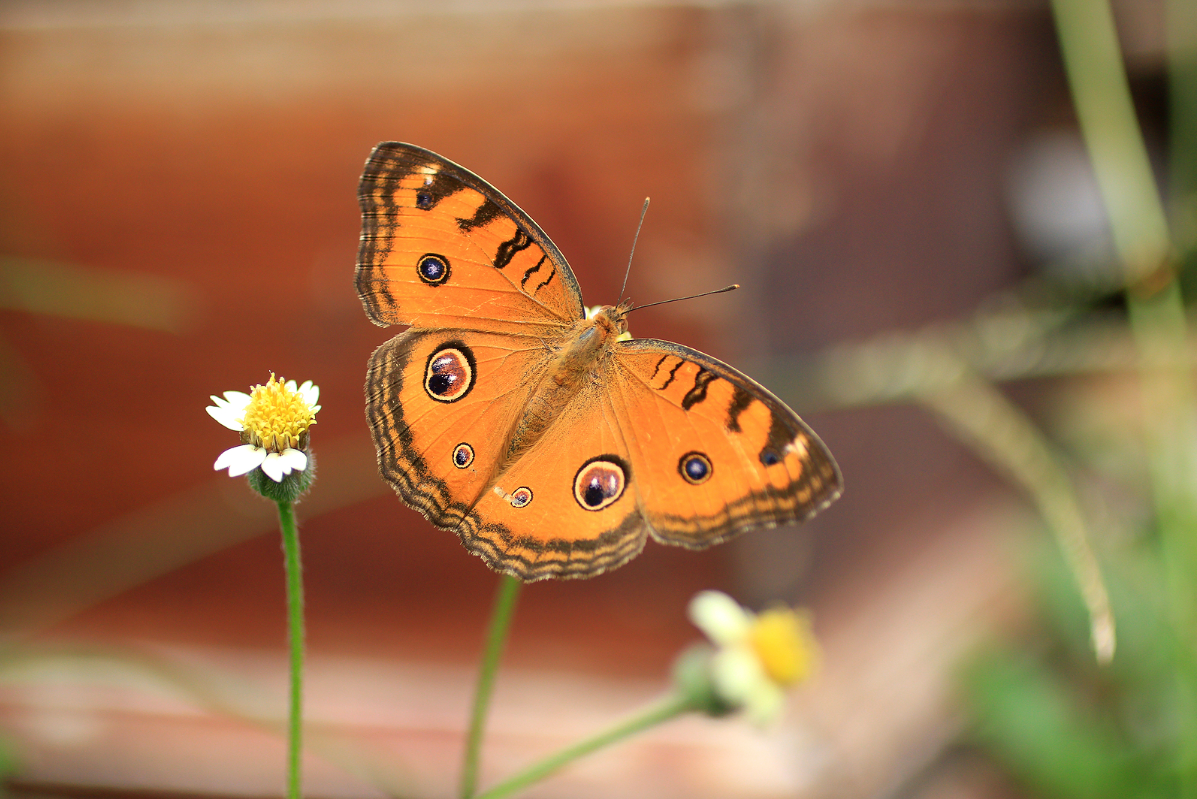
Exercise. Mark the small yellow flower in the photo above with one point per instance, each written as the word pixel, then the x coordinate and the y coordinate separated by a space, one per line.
pixel 273 420
pixel 758 655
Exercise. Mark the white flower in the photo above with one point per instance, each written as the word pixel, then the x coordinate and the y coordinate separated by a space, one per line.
pixel 758 656
pixel 273 420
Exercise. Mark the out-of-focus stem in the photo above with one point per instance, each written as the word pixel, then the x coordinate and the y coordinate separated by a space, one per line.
pixel 496 641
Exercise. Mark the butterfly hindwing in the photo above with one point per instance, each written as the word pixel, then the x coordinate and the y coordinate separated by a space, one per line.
pixel 714 452
pixel 567 506
pixel 442 446
pixel 441 247
pixel 439 404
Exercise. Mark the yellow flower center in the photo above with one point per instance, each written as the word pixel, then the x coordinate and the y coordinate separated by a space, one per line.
pixel 277 418
pixel 783 641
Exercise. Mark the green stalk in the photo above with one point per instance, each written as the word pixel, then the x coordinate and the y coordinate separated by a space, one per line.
pixel 980 414
pixel 1180 26
pixel 1101 94
pixel 1180 23
pixel 496 640
pixel 1138 224
pixel 670 707
pixel 1181 30
pixel 295 635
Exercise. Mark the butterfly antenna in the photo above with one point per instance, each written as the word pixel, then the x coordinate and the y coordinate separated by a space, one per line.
pixel 723 290
pixel 635 238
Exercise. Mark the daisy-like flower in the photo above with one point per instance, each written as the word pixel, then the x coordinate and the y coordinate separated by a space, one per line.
pixel 758 655
pixel 273 421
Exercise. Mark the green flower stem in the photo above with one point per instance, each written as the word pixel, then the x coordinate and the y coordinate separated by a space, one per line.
pixel 668 708
pixel 496 640
pixel 295 634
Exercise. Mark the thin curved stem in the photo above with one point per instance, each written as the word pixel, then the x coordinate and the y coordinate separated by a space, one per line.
pixel 668 708
pixel 980 414
pixel 496 640
pixel 295 635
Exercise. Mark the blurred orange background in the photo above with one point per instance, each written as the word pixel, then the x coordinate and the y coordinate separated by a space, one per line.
pixel 178 184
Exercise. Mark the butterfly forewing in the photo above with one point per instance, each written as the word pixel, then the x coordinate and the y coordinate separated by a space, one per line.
pixel 725 455
pixel 441 247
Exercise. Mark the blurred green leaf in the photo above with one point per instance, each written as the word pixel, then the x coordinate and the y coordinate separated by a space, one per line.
pixel 1049 737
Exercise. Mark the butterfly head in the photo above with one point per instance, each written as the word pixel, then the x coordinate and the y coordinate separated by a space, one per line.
pixel 612 320
pixel 590 340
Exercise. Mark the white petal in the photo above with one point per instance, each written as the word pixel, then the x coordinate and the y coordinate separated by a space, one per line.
pixel 291 386
pixel 740 680
pixel 228 418
pixel 311 394
pixel 764 703
pixel 234 399
pixel 225 458
pixel 720 617
pixel 293 460
pixel 240 460
pixel 230 410
pixel 736 674
pixel 274 467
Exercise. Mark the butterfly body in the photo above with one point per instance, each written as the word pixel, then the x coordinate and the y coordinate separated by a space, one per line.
pixel 546 439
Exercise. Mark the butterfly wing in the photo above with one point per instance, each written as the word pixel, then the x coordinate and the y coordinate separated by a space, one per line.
pixel 486 293
pixel 442 248
pixel 440 404
pixel 665 441
pixel 715 453
pixel 567 506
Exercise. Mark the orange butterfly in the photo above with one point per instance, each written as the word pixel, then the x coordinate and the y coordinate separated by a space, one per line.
pixel 508 415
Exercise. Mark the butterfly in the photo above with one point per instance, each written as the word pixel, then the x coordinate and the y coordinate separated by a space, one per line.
pixel 550 442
